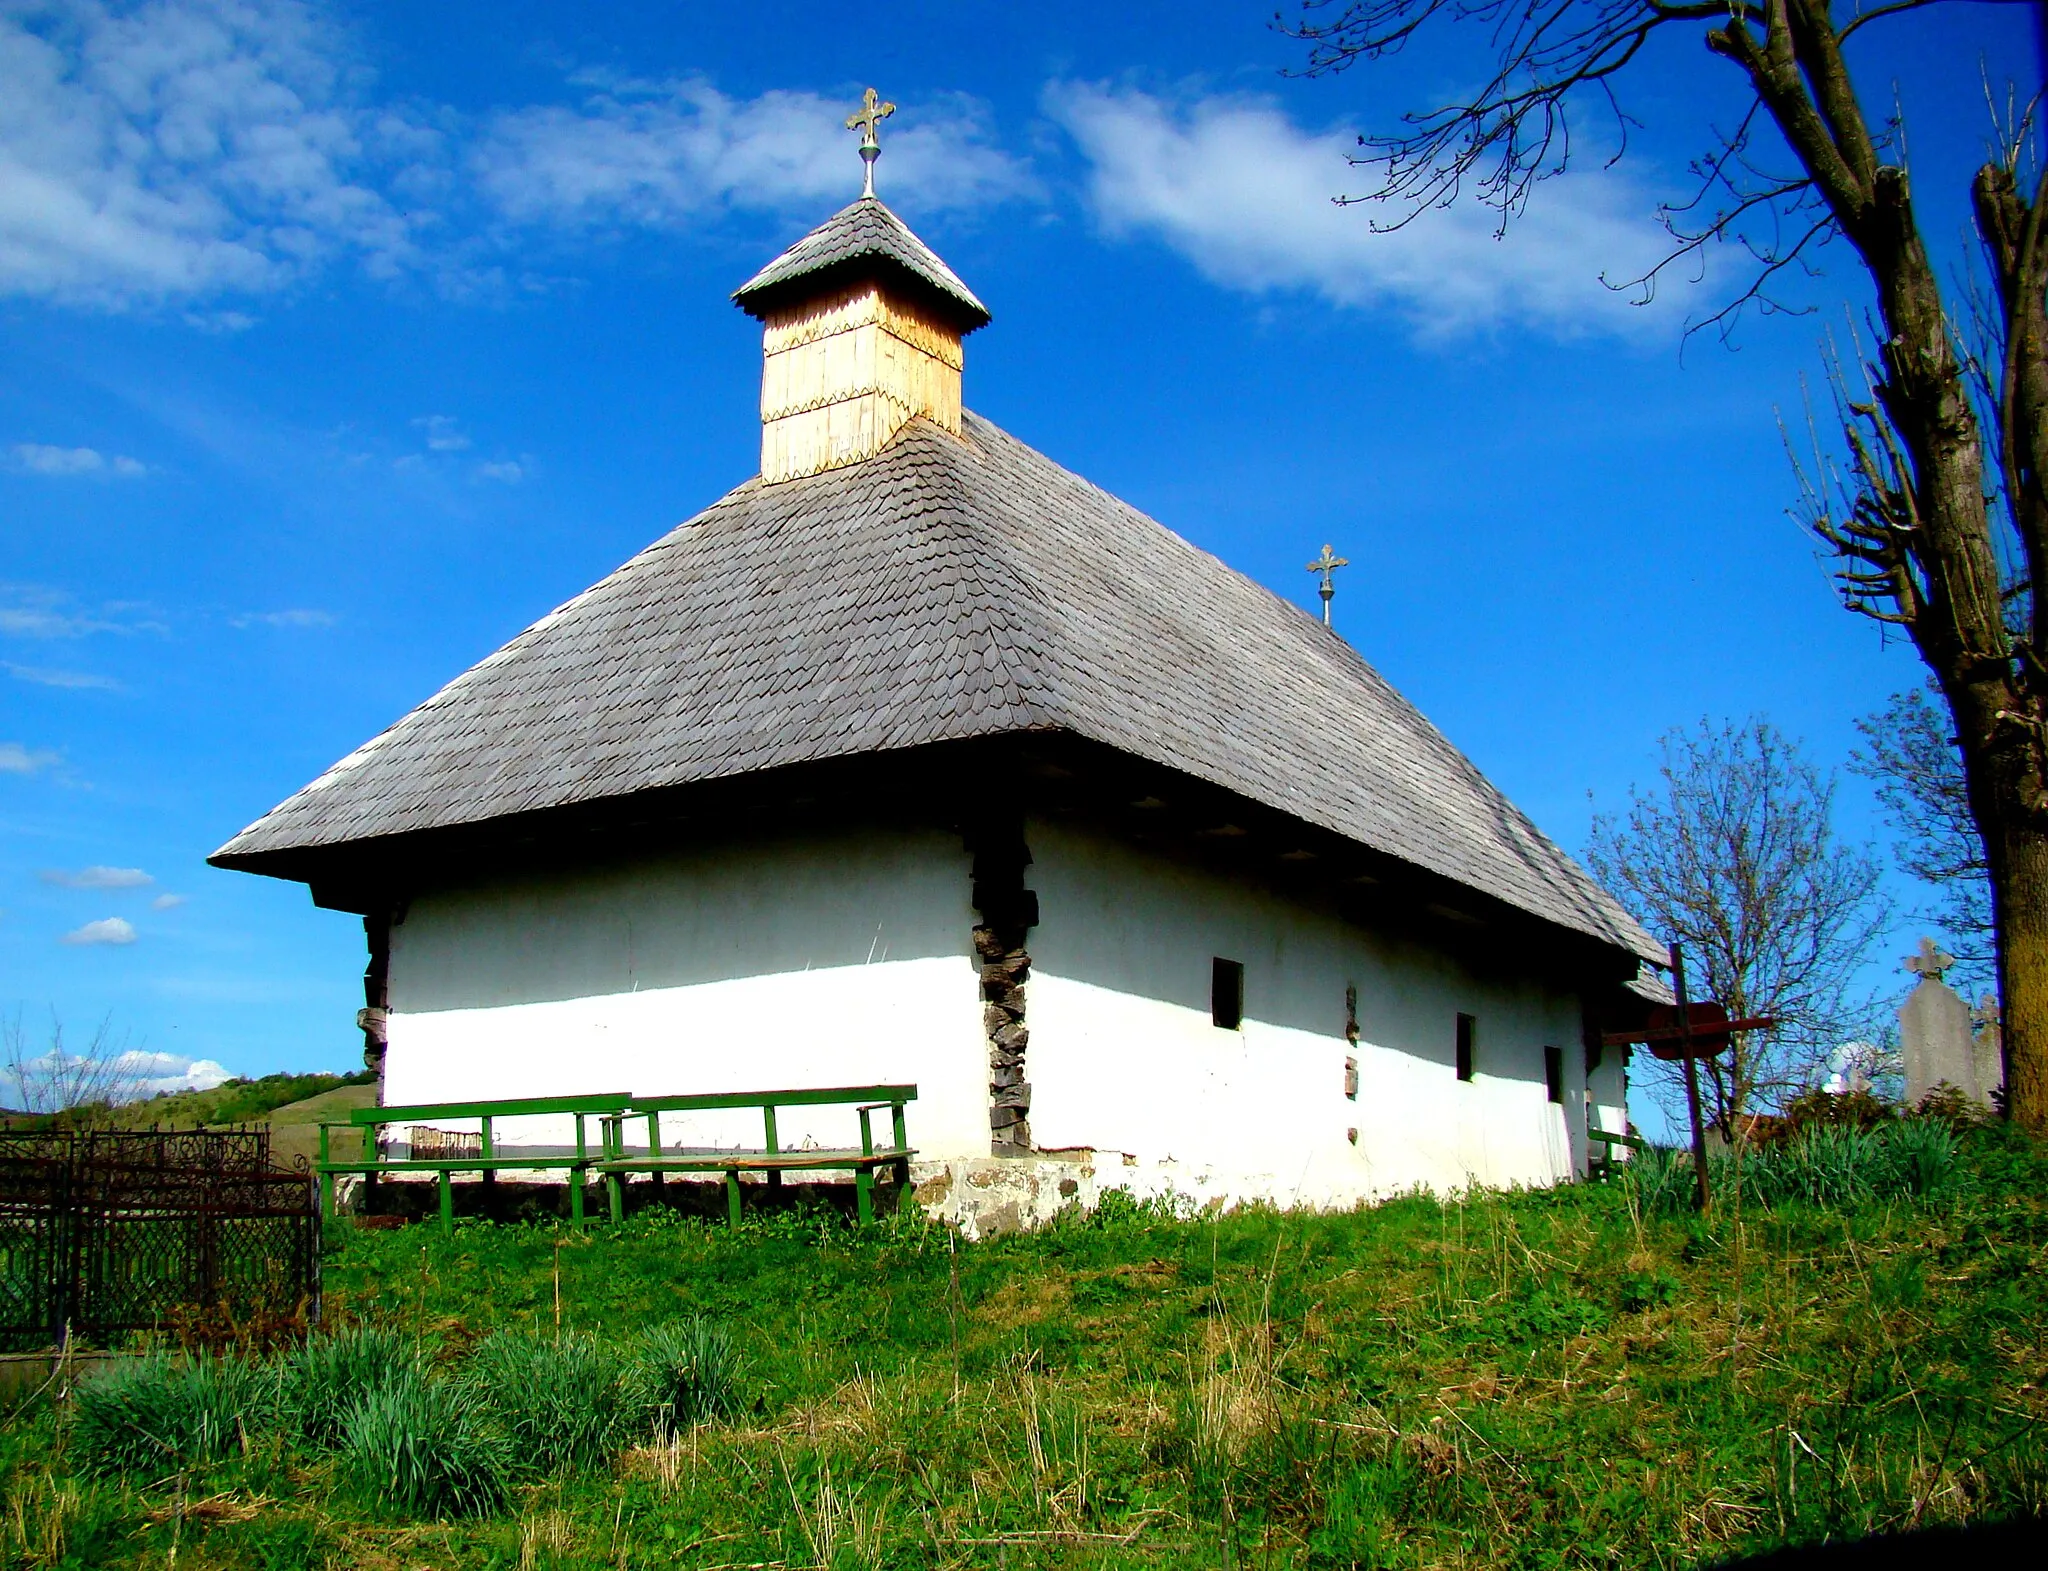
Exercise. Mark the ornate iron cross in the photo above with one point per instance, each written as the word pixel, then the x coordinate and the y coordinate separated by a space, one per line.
pixel 1326 564
pixel 873 111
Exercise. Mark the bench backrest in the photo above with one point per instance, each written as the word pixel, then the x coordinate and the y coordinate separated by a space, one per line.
pixel 522 1107
pixel 806 1097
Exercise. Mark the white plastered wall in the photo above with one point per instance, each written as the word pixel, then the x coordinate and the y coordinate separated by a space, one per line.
pixel 1124 1057
pixel 796 961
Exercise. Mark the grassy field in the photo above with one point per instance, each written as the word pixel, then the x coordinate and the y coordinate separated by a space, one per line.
pixel 1587 1376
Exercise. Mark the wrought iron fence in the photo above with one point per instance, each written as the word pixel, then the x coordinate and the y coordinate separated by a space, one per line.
pixel 107 1231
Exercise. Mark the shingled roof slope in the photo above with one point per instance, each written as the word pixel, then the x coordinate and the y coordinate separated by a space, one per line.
pixel 865 232
pixel 950 587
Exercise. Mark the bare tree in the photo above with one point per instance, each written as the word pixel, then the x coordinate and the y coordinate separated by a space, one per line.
pixel 1930 537
pixel 1912 757
pixel 1733 853
pixel 45 1077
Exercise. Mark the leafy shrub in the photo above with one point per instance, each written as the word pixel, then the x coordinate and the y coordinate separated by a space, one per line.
pixel 1818 1107
pixel 325 1379
pixel 1949 1105
pixel 685 1373
pixel 161 1412
pixel 426 1447
pixel 562 1402
pixel 1117 1209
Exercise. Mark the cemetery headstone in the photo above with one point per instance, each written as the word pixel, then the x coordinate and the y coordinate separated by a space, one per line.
pixel 1934 1030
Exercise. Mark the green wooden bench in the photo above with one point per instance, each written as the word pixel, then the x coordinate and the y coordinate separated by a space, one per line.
pixel 614 1161
pixel 770 1158
pixel 487 1161
pixel 1596 1165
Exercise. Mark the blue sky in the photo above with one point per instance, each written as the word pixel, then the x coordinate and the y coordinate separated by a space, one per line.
pixel 339 342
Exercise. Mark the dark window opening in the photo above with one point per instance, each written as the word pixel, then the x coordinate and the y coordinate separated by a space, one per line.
pixel 1466 1025
pixel 1553 1073
pixel 1226 993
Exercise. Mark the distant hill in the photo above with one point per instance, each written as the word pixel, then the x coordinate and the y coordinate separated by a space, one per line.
pixel 236 1101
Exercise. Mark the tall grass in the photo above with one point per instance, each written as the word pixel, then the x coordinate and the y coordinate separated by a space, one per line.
pixel 322 1380
pixel 687 1373
pixel 426 1447
pixel 1833 1166
pixel 160 1413
pixel 428 1442
pixel 564 1402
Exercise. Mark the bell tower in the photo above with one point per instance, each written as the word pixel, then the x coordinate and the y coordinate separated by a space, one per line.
pixel 861 333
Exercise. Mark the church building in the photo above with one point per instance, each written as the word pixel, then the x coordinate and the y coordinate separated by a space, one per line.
pixel 918 758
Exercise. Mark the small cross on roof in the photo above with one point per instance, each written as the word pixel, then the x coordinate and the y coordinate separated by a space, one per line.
pixel 1326 564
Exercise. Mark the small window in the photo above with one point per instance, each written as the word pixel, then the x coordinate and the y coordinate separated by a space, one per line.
pixel 1553 1073
pixel 1226 994
pixel 1466 1028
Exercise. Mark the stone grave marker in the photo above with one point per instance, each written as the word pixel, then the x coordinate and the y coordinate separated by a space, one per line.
pixel 1934 1030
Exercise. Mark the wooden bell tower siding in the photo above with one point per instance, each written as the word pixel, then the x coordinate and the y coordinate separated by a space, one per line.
pixel 861 330
pixel 917 758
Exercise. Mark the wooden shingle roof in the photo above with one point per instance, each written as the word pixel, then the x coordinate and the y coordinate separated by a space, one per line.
pixel 863 238
pixel 947 588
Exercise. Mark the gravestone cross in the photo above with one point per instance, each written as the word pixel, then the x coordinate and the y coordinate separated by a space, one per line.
pixel 1934 1030
pixel 872 112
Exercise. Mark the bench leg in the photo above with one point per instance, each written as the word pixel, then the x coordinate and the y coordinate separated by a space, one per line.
pixel 327 1197
pixel 575 1197
pixel 732 1195
pixel 863 1188
pixel 616 1187
pixel 447 1201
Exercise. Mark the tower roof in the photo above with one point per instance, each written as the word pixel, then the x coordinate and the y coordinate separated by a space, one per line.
pixel 949 587
pixel 859 241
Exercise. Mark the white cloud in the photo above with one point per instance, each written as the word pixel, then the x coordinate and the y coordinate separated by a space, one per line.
pixel 53 1078
pixel 176 149
pixel 664 154
pixel 182 151
pixel 296 617
pixel 39 458
pixel 168 902
pixel 144 1074
pixel 509 472
pixel 97 877
pixel 443 434
pixel 107 930
pixel 43 676
pixel 1245 195
pixel 34 611
pixel 220 321
pixel 40 621
pixel 18 760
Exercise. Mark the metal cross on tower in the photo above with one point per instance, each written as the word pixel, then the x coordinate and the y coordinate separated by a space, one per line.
pixel 873 111
pixel 1326 564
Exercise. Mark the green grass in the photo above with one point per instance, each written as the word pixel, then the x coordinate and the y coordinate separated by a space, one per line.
pixel 1577 1377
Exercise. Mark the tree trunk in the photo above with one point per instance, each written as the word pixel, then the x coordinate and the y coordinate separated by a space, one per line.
pixel 2020 890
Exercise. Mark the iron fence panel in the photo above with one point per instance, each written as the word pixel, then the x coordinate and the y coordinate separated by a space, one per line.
pixel 103 1232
